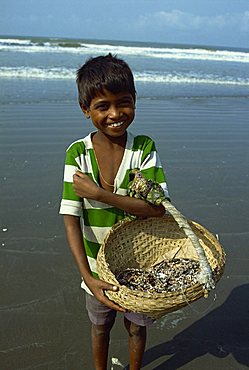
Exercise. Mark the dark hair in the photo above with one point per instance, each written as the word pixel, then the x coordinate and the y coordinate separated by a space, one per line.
pixel 104 72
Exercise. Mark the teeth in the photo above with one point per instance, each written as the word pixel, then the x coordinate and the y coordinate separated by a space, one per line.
pixel 117 124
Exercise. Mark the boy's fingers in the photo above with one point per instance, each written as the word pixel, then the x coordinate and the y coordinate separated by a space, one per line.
pixel 79 174
pixel 107 286
pixel 106 301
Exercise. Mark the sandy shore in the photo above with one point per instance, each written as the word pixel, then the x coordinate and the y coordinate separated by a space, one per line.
pixel 203 144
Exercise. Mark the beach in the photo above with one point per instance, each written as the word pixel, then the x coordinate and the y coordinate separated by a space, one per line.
pixel 194 102
pixel 203 146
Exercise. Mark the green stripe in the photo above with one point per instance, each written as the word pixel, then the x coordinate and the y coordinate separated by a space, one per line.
pixel 68 192
pixel 147 151
pixel 71 161
pixel 152 173
pixel 155 174
pixel 126 180
pixel 102 217
pixel 76 149
pixel 73 152
pixel 140 142
pixel 145 144
pixel 91 248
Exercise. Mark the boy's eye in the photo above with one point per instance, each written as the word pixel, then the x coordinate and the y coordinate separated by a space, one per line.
pixel 126 103
pixel 101 107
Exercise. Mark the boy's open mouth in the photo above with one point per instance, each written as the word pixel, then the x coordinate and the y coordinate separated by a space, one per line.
pixel 116 124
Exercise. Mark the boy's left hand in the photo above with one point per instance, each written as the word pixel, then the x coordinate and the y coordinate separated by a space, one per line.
pixel 83 186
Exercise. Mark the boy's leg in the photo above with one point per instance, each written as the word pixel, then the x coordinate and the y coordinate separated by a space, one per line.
pixel 102 319
pixel 136 327
pixel 100 344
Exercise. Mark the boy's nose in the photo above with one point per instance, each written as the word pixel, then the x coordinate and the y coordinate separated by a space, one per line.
pixel 114 112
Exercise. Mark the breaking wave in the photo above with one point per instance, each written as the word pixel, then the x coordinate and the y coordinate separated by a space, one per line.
pixel 145 77
pixel 163 52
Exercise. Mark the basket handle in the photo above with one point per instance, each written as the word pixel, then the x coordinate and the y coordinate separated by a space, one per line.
pixel 205 275
pixel 152 192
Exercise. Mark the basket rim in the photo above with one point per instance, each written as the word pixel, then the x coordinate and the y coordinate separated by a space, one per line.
pixel 157 304
pixel 167 218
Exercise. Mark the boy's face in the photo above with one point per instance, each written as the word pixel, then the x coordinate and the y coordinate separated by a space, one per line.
pixel 111 113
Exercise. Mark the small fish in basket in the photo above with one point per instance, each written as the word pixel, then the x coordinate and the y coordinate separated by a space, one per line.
pixel 167 276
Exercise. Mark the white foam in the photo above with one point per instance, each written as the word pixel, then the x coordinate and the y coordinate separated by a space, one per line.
pixel 27 46
pixel 15 41
pixel 172 53
pixel 37 73
pixel 189 78
pixel 145 77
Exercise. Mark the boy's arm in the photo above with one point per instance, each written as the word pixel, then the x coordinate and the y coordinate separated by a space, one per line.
pixel 86 188
pixel 75 240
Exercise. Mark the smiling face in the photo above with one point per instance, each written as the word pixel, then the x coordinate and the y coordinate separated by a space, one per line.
pixel 111 113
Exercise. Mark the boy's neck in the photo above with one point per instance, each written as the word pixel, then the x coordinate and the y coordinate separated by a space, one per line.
pixel 101 138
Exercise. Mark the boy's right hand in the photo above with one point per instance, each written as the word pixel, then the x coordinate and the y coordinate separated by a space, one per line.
pixel 98 288
pixel 84 187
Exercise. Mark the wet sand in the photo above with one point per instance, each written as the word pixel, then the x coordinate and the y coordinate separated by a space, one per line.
pixel 203 144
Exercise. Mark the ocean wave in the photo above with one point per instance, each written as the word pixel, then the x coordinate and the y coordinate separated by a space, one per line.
pixel 143 77
pixel 11 42
pixel 190 78
pixel 171 53
pixel 77 47
pixel 37 73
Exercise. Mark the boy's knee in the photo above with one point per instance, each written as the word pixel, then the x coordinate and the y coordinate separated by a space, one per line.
pixel 135 330
pixel 102 330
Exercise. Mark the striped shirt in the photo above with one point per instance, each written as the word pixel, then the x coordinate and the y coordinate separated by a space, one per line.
pixel 97 217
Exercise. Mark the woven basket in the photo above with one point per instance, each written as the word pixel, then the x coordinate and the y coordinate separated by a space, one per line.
pixel 142 244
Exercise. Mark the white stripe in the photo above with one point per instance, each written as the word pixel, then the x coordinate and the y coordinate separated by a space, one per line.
pixel 95 234
pixel 165 189
pixel 70 207
pixel 93 267
pixel 81 162
pixel 92 263
pixel 90 203
pixel 85 164
pixel 151 160
pixel 85 287
pixel 121 192
pixel 135 158
pixel 130 158
pixel 88 162
pixel 69 172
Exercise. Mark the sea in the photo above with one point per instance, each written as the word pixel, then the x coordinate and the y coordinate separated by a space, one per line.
pixel 43 69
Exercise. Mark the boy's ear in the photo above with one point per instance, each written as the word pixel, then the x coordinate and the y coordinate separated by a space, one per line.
pixel 85 110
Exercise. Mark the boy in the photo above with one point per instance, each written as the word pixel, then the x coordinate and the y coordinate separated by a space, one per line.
pixel 95 190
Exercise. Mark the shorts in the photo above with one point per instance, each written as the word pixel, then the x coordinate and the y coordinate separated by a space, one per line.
pixel 99 314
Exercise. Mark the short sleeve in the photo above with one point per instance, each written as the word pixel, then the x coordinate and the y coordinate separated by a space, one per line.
pixel 71 204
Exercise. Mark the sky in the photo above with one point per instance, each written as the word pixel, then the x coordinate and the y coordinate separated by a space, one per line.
pixel 201 22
